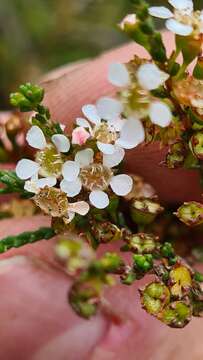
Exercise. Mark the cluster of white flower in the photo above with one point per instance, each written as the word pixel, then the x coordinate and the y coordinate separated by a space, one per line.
pixel 92 168
pixel 184 21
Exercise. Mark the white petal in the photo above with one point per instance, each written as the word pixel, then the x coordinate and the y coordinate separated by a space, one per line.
pixel 109 108
pixel 150 77
pixel 116 124
pixel 121 184
pixel 35 138
pixel 70 170
pixel 90 111
pixel 115 159
pixel 80 207
pixel 49 181
pixel 106 148
pixel 71 188
pixel 178 28
pixel 132 134
pixel 118 75
pixel 99 199
pixel 182 4
pixel 160 114
pixel 84 157
pixel 61 142
pixel 26 168
pixel 161 12
pixel 83 122
pixel 70 216
pixel 30 186
pixel 62 126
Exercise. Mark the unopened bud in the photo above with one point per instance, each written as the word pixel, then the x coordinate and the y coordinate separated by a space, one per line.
pixel 190 213
pixel 128 23
pixel 143 263
pixel 144 211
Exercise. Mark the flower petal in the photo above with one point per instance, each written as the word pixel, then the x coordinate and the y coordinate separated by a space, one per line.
pixel 99 199
pixel 61 142
pixel 121 184
pixel 118 75
pixel 35 138
pixel 70 170
pixel 161 12
pixel 82 122
pixel 80 207
pixel 90 111
pixel 71 188
pixel 84 157
pixel 132 134
pixel 178 28
pixel 26 168
pixel 115 159
pixel 106 148
pixel 109 108
pixel 70 216
pixel 150 77
pixel 116 124
pixel 48 181
pixel 160 114
pixel 182 4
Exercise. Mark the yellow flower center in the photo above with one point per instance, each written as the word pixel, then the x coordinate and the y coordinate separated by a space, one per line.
pixel 50 161
pixel 96 177
pixel 104 134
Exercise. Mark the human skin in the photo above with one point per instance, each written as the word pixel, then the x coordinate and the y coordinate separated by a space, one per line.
pixel 36 320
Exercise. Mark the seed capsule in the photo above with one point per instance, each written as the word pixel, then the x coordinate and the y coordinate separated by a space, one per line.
pixel 196 144
pixel 176 315
pixel 144 211
pixel 155 297
pixel 142 243
pixel 181 281
pixel 190 213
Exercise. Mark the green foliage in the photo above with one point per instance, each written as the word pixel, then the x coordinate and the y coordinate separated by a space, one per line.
pixel 25 238
pixel 12 184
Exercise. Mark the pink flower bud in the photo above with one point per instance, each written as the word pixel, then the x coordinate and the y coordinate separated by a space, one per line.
pixel 80 136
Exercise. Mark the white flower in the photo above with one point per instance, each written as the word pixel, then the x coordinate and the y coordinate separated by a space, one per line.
pixel 28 169
pixel 129 19
pixel 149 77
pixel 106 125
pixel 181 21
pixel 94 177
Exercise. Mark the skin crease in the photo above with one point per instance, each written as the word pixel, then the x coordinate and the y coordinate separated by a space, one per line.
pixel 36 322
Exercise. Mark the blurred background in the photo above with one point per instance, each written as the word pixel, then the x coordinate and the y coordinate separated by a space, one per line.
pixel 39 35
